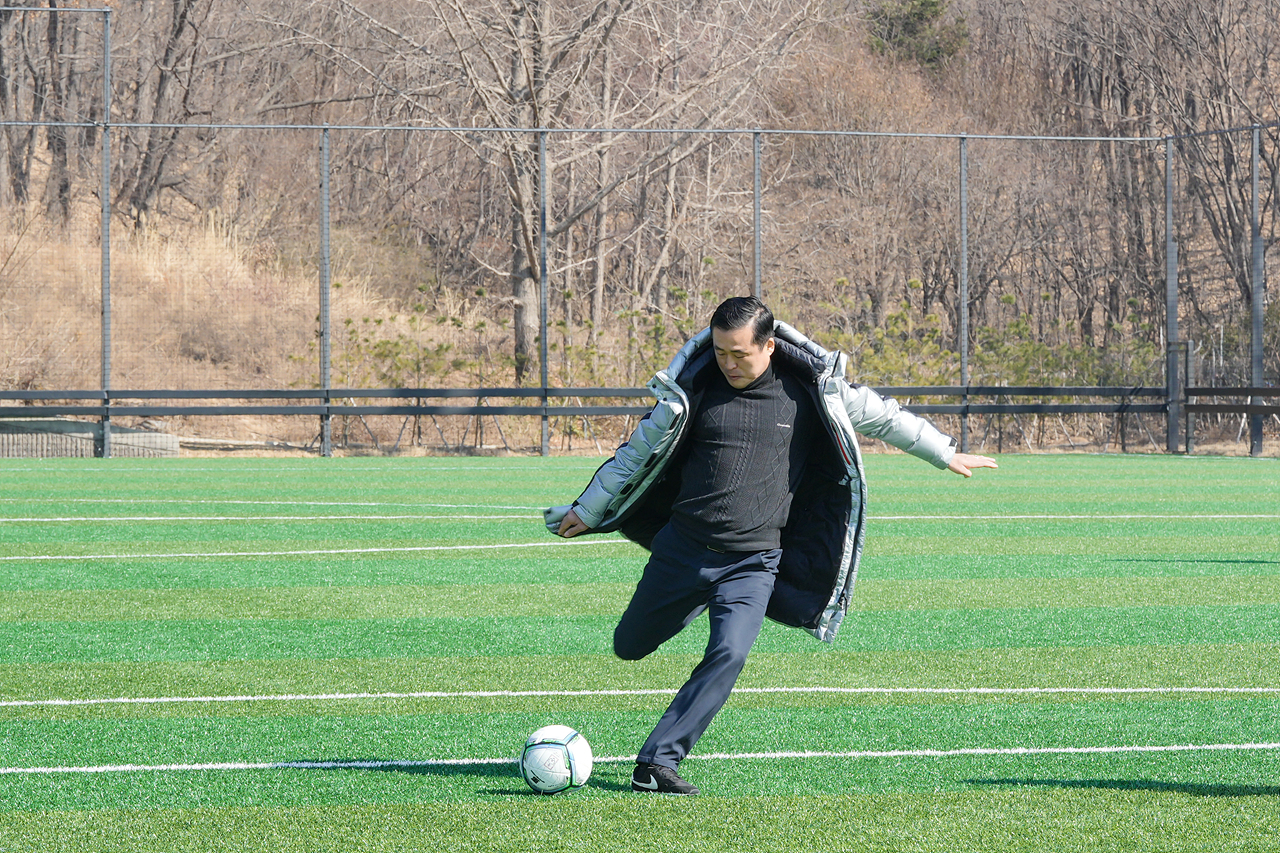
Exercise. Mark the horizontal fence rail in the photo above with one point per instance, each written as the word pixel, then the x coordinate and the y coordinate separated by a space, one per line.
pixel 108 404
pixel 1233 408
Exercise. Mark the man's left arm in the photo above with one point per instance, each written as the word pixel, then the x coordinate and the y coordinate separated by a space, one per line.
pixel 964 463
pixel 879 417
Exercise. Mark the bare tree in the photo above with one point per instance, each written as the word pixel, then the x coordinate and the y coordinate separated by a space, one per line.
pixel 528 66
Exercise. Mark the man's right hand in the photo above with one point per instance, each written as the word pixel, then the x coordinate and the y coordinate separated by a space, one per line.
pixel 571 525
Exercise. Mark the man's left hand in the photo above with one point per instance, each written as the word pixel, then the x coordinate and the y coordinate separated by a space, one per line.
pixel 964 463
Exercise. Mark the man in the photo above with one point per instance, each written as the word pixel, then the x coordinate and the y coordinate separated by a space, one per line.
pixel 745 483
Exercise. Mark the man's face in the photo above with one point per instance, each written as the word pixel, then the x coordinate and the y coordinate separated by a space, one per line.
pixel 741 360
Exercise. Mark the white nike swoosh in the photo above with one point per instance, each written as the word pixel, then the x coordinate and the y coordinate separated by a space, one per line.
pixel 651 785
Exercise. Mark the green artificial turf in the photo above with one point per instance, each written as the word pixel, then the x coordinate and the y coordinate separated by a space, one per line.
pixel 285 581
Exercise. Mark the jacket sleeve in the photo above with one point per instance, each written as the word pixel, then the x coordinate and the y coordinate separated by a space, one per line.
pixel 617 478
pixel 882 418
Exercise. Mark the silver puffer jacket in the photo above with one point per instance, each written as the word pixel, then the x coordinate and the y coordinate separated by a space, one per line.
pixel 633 491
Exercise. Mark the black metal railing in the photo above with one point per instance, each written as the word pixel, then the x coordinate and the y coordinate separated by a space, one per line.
pixel 117 402
pixel 1232 408
pixel 337 402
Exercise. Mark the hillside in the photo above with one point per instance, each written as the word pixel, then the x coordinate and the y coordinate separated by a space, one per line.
pixel 436 250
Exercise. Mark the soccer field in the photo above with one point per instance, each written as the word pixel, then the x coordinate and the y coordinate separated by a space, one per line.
pixel 1070 653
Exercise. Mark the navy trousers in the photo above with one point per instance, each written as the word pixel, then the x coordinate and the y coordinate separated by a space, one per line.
pixel 682 579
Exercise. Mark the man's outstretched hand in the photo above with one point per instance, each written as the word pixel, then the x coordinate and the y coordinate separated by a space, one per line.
pixel 571 525
pixel 962 463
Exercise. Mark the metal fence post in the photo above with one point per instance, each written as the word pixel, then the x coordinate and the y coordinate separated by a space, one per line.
pixel 964 292
pixel 104 449
pixel 1189 380
pixel 1173 399
pixel 1257 290
pixel 755 201
pixel 543 281
pixel 326 288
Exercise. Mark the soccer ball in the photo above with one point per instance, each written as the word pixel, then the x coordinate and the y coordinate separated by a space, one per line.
pixel 555 759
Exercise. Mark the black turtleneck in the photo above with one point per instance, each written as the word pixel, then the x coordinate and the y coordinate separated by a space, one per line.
pixel 744 459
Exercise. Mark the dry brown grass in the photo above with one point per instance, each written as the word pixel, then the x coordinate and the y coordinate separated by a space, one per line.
pixel 199 310
pixel 50 304
pixel 206 309
pixel 210 310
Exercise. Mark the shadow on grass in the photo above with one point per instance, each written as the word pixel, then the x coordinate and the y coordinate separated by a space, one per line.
pixel 601 777
pixel 385 765
pixel 1192 788
pixel 606 777
pixel 1187 560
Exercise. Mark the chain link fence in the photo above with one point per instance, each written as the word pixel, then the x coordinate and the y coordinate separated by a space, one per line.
pixel 459 288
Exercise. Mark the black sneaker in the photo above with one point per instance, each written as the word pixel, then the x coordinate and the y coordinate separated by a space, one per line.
pixel 660 780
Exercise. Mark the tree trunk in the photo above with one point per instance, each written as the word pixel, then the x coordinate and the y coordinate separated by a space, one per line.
pixel 602 208
pixel 144 185
pixel 57 192
pixel 524 91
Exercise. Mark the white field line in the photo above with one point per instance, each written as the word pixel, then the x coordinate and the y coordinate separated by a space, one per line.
pixel 400 467
pixel 133 518
pixel 393 467
pixel 390 470
pixel 508 694
pixel 1063 517
pixel 254 503
pixel 620 759
pixel 312 553
pixel 410 517
pixel 1017 750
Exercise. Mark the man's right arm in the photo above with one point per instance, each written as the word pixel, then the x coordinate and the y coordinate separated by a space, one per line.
pixel 593 505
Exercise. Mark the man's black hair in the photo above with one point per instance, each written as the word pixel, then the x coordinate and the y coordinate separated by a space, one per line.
pixel 739 311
